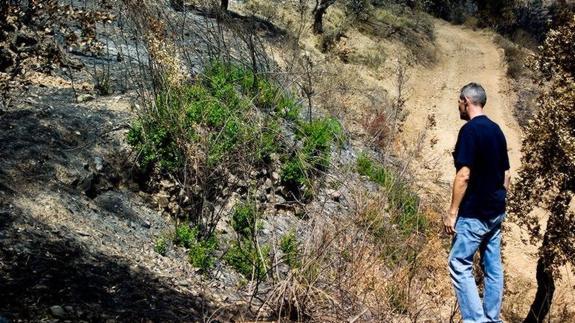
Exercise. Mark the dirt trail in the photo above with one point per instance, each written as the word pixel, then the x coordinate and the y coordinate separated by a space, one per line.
pixel 465 56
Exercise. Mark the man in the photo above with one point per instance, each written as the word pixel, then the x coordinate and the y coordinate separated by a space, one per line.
pixel 477 208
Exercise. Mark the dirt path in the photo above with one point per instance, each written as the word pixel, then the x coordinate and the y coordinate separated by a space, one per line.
pixel 466 56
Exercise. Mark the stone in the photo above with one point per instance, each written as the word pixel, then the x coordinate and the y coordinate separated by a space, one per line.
pixel 57 311
pixel 69 309
pixel 268 183
pixel 275 176
pixel 166 183
pixel 162 200
pixel 261 194
pixel 279 199
pixel 85 98
pixel 98 163
pixel 334 194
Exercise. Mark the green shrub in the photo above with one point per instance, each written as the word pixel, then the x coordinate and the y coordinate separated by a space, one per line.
pixel 294 172
pixel 243 254
pixel 289 246
pixel 161 246
pixel 201 253
pixel 402 201
pixel 185 236
pixel 245 258
pixel 317 137
pixel 200 250
pixel 244 219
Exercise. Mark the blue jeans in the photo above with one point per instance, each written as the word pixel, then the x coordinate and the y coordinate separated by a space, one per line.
pixel 485 235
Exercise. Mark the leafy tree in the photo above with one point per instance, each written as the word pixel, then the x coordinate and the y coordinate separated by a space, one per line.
pixel 547 176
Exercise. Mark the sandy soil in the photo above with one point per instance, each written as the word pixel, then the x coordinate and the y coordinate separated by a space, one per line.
pixel 433 123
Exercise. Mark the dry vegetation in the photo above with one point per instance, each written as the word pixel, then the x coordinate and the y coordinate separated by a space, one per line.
pixel 272 151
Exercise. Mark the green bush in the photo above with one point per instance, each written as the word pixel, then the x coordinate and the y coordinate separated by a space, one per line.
pixel 244 219
pixel 289 246
pixel 200 251
pixel 219 103
pixel 244 254
pixel 161 246
pixel 317 137
pixel 185 236
pixel 244 257
pixel 403 202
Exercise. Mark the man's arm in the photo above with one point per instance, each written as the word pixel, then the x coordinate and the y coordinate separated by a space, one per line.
pixel 459 187
pixel 507 180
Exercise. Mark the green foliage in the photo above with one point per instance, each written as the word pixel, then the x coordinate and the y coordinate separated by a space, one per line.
pixel 185 236
pixel 200 251
pixel 244 257
pixel 155 144
pixel 317 137
pixel 161 246
pixel 214 119
pixel 290 247
pixel 294 171
pixel 402 201
pixel 381 175
pixel 244 219
pixel 219 103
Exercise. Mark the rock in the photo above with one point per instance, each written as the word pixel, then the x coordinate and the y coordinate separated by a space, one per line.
pixel 162 200
pixel 69 309
pixel 57 311
pixel 98 164
pixel 278 199
pixel 147 224
pixel 166 183
pixel 261 194
pixel 275 176
pixel 334 194
pixel 23 39
pixel 85 98
pixel 87 185
pixel 268 184
pixel 6 59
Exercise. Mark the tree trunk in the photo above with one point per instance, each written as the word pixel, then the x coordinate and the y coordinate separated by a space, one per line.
pixel 318 20
pixel 544 296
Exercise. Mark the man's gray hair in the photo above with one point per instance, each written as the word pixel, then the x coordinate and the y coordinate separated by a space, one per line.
pixel 475 93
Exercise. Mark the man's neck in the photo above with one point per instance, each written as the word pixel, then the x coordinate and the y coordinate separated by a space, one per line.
pixel 475 112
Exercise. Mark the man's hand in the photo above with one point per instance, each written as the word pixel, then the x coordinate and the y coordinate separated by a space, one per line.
pixel 449 219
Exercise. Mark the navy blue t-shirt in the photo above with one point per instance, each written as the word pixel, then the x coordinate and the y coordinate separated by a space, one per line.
pixel 481 146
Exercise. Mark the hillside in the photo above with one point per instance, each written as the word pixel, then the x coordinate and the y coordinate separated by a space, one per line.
pixel 171 162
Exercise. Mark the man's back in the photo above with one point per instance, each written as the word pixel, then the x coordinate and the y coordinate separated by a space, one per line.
pixel 481 146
